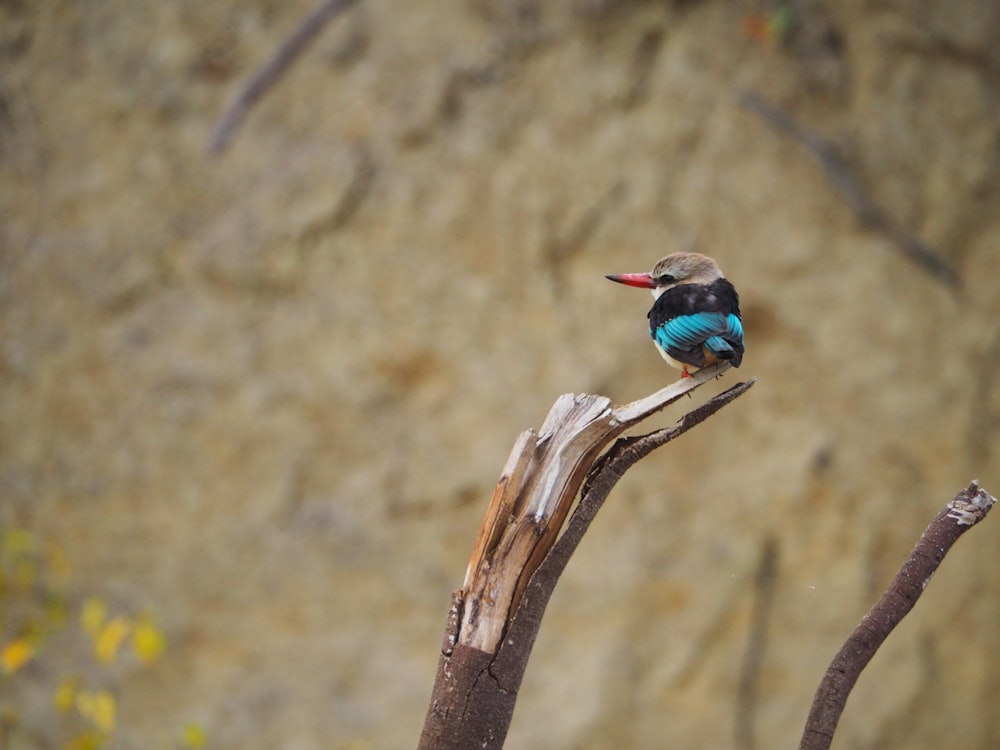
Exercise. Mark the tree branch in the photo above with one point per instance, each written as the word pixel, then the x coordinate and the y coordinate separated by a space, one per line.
pixel 968 508
pixel 519 555
pixel 268 74
pixel 840 176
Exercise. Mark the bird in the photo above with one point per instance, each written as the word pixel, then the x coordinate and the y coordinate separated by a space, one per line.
pixel 695 320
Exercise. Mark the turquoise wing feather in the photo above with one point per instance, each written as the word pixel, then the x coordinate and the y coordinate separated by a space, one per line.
pixel 717 331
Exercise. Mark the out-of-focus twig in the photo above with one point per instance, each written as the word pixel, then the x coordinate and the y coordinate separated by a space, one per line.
pixel 965 510
pixel 269 73
pixel 561 246
pixel 753 657
pixel 843 180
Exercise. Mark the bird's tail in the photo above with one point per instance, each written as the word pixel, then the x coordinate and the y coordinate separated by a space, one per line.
pixel 720 348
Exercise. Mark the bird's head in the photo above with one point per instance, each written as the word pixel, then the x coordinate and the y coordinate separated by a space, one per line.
pixel 671 271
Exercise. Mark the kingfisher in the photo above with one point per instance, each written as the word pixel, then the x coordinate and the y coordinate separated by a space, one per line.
pixel 695 320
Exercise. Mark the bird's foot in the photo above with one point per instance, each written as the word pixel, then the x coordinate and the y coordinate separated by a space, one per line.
pixel 685 374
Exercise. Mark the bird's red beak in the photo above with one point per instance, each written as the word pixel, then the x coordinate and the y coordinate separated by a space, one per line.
pixel 644 280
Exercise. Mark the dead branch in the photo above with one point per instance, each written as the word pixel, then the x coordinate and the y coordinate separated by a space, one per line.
pixel 269 73
pixel 968 508
pixel 519 555
pixel 841 177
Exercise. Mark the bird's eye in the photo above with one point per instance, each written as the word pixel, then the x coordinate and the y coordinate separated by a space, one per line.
pixel 665 278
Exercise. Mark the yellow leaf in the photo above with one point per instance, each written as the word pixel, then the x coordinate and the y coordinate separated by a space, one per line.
pixel 15 543
pixel 65 696
pixel 110 639
pixel 89 740
pixel 98 707
pixel 147 641
pixel 193 736
pixel 16 654
pixel 92 616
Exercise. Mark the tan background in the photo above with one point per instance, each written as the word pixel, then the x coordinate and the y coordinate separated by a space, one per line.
pixel 266 397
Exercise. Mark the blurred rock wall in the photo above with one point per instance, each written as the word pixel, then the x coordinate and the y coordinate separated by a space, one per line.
pixel 266 396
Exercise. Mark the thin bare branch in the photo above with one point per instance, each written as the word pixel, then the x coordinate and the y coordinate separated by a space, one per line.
pixel 622 456
pixel 839 174
pixel 268 74
pixel 968 508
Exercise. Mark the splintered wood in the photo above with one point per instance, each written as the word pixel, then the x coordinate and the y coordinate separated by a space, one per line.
pixel 537 488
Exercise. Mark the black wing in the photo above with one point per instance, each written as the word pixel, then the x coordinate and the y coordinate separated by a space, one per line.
pixel 687 299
